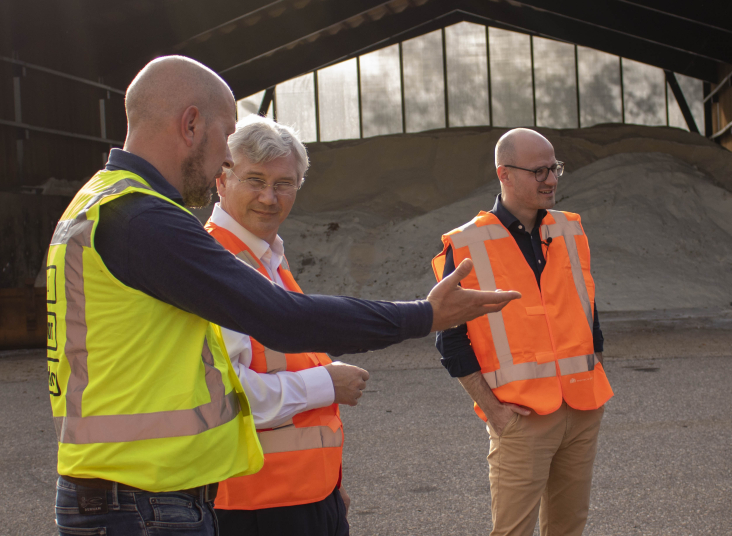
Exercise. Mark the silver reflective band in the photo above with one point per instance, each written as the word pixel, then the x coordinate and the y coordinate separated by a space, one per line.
pixel 580 363
pixel 276 361
pixel 117 188
pixel 67 229
pixel 248 259
pixel 289 438
pixel 521 371
pixel 77 237
pixel 473 237
pixel 76 428
pixel 140 426
pixel 530 371
pixel 569 229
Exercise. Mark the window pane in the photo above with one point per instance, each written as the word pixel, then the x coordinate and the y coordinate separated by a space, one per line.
pixel 556 84
pixel 693 91
pixel 644 93
pixel 250 105
pixel 599 81
pixel 424 82
pixel 338 101
pixel 296 105
pixel 381 98
pixel 510 57
pixel 467 74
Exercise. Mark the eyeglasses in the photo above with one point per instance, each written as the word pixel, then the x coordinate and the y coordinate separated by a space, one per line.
pixel 259 185
pixel 542 173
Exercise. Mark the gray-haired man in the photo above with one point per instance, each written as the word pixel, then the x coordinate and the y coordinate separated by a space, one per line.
pixel 294 397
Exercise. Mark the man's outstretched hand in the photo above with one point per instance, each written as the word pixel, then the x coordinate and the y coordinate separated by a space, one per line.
pixel 453 305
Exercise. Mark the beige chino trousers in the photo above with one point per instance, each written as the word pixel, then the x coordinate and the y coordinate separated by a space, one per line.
pixel 541 466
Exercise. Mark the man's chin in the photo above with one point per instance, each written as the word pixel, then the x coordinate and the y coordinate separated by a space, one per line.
pixel 547 202
pixel 198 199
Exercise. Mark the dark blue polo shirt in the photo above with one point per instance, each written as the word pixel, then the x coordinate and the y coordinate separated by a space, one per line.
pixel 458 356
pixel 153 246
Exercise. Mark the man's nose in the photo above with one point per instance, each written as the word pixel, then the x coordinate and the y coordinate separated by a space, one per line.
pixel 551 178
pixel 268 195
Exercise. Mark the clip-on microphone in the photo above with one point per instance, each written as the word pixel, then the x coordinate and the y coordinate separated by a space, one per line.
pixel 548 241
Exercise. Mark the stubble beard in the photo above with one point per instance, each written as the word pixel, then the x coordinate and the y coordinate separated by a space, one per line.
pixel 196 186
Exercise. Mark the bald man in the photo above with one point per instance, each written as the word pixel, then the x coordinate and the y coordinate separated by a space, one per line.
pixel 149 413
pixel 534 370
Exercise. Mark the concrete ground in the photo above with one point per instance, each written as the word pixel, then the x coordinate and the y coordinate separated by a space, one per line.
pixel 414 458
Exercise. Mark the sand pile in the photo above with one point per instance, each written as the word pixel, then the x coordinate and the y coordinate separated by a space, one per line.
pixel 401 176
pixel 655 203
pixel 660 232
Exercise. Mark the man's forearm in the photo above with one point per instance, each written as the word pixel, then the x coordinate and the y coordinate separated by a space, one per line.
pixel 480 392
pixel 166 254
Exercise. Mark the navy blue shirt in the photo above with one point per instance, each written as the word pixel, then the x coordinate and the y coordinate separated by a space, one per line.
pixel 454 345
pixel 153 246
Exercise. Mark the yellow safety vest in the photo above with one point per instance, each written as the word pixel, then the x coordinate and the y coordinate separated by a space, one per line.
pixel 142 392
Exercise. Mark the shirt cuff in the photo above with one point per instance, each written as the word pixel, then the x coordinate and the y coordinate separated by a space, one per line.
pixel 461 365
pixel 416 319
pixel 598 341
pixel 319 389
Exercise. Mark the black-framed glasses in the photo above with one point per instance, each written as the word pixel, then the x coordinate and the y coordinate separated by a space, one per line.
pixel 542 173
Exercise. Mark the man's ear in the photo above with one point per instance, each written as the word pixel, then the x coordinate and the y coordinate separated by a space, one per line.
pixel 502 172
pixel 221 184
pixel 190 124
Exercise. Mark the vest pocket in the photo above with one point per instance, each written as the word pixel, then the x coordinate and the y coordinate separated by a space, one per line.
pixel 544 357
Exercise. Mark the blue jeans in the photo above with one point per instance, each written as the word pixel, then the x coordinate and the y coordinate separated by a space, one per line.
pixel 136 513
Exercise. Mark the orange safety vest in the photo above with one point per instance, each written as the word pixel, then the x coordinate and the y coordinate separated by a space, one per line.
pixel 538 350
pixel 302 458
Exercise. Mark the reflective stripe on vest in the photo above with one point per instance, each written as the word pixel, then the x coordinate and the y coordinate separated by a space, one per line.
pixel 303 455
pixel 288 438
pixel 248 258
pixel 568 229
pixel 74 428
pixel 473 236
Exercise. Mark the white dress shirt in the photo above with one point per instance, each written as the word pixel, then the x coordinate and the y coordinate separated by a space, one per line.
pixel 274 398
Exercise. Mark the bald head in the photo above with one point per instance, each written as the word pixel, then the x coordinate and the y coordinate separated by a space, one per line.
pixel 169 85
pixel 180 115
pixel 516 143
pixel 524 162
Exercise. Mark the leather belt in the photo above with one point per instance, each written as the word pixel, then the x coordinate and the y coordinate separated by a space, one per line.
pixel 209 490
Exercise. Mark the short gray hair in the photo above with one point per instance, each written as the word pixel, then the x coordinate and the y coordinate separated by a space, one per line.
pixel 260 139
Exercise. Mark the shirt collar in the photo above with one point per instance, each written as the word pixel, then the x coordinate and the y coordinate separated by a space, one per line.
pixel 120 160
pixel 258 246
pixel 507 219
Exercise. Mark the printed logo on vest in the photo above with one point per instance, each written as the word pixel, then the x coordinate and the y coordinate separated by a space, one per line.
pixel 51 342
pixel 50 284
pixel 54 389
pixel 575 380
